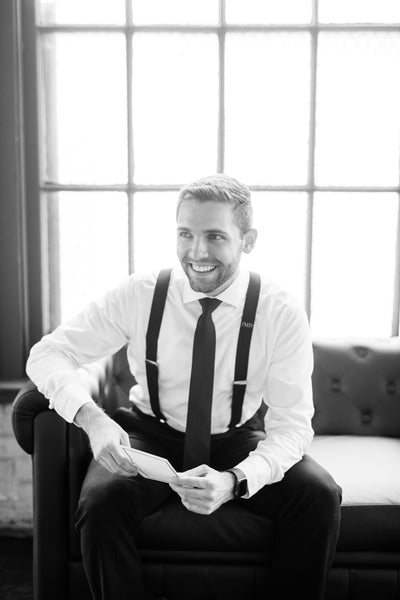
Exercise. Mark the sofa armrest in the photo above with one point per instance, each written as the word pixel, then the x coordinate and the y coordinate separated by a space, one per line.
pixel 29 402
pixel 27 405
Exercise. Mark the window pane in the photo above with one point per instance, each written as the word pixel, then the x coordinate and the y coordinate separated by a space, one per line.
pixel 267 107
pixel 84 106
pixel 359 11
pixel 82 11
pixel 175 12
pixel 280 250
pixel 358 117
pixel 92 250
pixel 154 239
pixel 175 106
pixel 260 12
pixel 353 264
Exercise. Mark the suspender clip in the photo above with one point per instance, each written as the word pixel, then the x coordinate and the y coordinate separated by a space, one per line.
pixel 151 362
pixel 242 382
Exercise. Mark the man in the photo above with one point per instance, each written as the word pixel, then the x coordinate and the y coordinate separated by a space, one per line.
pixel 272 473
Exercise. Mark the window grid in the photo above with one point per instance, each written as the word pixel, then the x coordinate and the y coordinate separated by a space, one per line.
pixel 130 188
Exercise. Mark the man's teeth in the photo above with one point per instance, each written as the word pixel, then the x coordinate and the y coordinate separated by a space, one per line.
pixel 203 268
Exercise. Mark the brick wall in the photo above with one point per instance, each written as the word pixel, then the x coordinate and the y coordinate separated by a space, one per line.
pixel 15 478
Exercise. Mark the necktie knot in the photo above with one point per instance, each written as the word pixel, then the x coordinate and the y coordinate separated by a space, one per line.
pixel 209 305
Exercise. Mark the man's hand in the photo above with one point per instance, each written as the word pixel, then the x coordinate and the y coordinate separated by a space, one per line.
pixel 203 489
pixel 106 438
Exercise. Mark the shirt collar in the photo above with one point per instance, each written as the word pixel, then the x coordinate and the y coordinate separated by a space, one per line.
pixel 233 294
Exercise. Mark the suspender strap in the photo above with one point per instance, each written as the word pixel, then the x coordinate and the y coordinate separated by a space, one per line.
pixel 242 352
pixel 153 330
pixel 243 347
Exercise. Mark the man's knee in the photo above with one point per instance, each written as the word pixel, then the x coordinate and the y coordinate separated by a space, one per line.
pixel 99 503
pixel 322 492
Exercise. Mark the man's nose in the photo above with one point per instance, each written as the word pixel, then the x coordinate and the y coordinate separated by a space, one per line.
pixel 199 249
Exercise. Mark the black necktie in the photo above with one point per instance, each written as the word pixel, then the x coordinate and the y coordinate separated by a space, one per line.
pixel 198 423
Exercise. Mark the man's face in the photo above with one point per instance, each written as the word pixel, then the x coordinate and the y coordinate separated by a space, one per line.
pixel 209 244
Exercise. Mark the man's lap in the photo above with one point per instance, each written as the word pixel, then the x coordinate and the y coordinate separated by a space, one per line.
pixel 226 451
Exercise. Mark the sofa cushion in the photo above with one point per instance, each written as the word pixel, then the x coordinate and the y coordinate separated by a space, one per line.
pixel 366 468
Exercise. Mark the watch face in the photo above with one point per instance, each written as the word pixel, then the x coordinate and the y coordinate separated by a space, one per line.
pixel 240 483
pixel 242 487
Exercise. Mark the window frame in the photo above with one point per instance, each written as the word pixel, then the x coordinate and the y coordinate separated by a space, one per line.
pixel 42 315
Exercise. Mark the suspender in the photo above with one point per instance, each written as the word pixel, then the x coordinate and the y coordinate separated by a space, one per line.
pixel 153 330
pixel 242 352
pixel 243 347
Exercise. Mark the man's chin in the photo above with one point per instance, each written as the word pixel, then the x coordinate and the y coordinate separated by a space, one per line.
pixel 205 287
pixel 201 282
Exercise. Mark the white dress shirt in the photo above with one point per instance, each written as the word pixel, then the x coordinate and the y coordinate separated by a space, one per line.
pixel 280 362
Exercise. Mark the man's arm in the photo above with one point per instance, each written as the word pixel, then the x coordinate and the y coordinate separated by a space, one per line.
pixel 106 438
pixel 288 395
pixel 99 330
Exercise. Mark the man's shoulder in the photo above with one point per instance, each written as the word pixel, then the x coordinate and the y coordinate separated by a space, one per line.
pixel 275 296
pixel 145 281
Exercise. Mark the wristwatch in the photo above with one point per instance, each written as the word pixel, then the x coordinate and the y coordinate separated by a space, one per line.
pixel 240 488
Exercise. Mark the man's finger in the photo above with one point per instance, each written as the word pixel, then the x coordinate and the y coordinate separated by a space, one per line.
pixel 107 465
pixel 125 439
pixel 199 471
pixel 196 509
pixel 123 462
pixel 192 493
pixel 190 482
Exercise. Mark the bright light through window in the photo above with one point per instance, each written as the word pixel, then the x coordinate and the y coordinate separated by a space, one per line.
pixel 138 97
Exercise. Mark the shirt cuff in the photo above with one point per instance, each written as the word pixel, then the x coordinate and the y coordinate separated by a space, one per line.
pixel 258 473
pixel 69 400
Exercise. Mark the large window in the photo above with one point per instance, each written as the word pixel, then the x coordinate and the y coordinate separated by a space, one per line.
pixel 297 98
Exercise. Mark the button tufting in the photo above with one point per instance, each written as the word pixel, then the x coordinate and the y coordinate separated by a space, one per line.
pixel 366 417
pixel 336 385
pixel 391 387
pixel 361 351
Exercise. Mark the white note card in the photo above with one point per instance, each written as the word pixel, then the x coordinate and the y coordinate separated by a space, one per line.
pixel 150 465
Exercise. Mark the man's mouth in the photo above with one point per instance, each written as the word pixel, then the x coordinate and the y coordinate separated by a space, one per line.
pixel 202 268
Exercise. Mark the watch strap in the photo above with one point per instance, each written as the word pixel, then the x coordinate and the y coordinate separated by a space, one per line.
pixel 240 488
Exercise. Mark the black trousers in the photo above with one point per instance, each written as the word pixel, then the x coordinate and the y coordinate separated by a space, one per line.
pixel 305 506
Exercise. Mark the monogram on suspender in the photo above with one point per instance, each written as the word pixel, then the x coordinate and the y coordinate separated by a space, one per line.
pixel 242 351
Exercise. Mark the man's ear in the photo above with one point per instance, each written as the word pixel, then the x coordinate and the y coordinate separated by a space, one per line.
pixel 249 240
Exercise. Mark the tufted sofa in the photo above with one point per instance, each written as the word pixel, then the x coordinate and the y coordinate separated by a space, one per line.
pixel 357 424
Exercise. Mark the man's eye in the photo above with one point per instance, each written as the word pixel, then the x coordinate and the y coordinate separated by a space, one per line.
pixel 215 237
pixel 184 234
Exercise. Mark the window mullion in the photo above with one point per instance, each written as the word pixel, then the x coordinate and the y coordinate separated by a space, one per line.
pixel 396 295
pixel 221 90
pixel 311 157
pixel 128 37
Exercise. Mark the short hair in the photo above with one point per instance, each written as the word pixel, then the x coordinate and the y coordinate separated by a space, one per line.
pixel 222 188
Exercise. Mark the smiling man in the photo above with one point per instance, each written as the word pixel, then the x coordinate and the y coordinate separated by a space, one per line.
pixel 211 239
pixel 206 415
